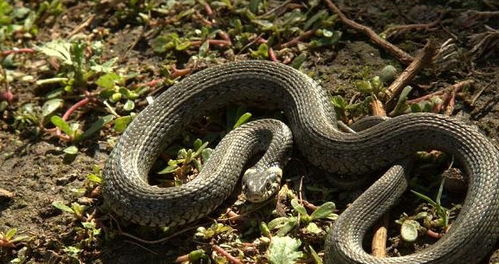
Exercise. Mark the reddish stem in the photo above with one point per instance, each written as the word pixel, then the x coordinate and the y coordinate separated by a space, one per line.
pixel 23 50
pixel 272 55
pixel 208 9
pixel 216 42
pixel 305 35
pixel 183 258
pixel 225 36
pixel 203 20
pixel 287 60
pixel 78 104
pixel 433 234
pixel 260 40
pixel 179 72
pixel 67 114
pixel 232 259
pixel 150 83
pixel 7 96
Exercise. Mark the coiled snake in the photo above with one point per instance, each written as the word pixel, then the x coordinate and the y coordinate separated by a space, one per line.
pixel 315 133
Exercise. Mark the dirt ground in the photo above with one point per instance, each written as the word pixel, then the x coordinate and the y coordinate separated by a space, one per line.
pixel 34 168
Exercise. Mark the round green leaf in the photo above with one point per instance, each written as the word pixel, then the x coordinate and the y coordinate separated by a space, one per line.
pixel 50 106
pixel 72 150
pixel 409 230
pixel 129 105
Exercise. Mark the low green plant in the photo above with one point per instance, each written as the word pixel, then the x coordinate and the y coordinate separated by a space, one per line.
pixel 284 225
pixel 10 239
pixel 436 216
pixel 212 231
pixel 75 209
pixel 188 159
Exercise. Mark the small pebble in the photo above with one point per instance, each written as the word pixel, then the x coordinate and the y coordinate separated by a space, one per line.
pixel 6 194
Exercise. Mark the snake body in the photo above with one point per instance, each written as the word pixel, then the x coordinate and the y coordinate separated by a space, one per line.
pixel 315 134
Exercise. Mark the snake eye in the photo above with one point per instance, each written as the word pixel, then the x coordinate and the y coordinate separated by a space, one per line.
pixel 268 185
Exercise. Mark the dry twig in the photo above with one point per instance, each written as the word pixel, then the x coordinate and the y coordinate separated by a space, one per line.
pixel 391 31
pixel 378 244
pixel 305 35
pixel 15 51
pixel 226 254
pixel 457 87
pixel 422 59
pixel 401 55
pixel 82 26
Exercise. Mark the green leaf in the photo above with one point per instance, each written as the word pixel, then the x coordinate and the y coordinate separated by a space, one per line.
pixel 265 25
pixel 59 49
pixel 128 94
pixel 291 224
pixel 51 105
pixel 63 207
pixel 264 229
pixel 206 153
pixel 277 222
pixel 196 255
pixel 376 83
pixel 401 102
pixel 339 102
pixel 284 250
pixel 20 238
pixel 262 52
pixel 298 60
pixel 108 80
pixel 298 207
pixel 317 17
pixel 197 144
pixel 200 149
pixel 409 230
pixel 426 198
pixel 78 209
pixel 10 233
pixel 313 228
pixel 315 256
pixel 388 73
pixel 71 150
pixel 169 169
pixel 62 125
pixel 364 86
pixel 97 125
pixel 415 108
pixel 94 178
pixel 324 211
pixel 121 123
pixel 242 119
pixel 328 38
pixel 253 6
pixel 129 105
pixel 106 67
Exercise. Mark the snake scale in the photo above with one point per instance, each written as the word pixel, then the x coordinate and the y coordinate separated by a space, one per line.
pixel 315 133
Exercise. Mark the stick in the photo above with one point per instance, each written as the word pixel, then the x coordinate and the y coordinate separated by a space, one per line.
pixel 82 26
pixel 457 86
pixel 377 108
pixel 232 259
pixel 305 35
pixel 378 244
pixel 422 59
pixel 402 28
pixel 15 51
pixel 401 55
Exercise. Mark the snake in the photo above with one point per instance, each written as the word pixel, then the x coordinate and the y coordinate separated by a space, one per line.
pixel 312 128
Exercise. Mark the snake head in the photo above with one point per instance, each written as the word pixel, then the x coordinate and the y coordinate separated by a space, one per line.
pixel 259 185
